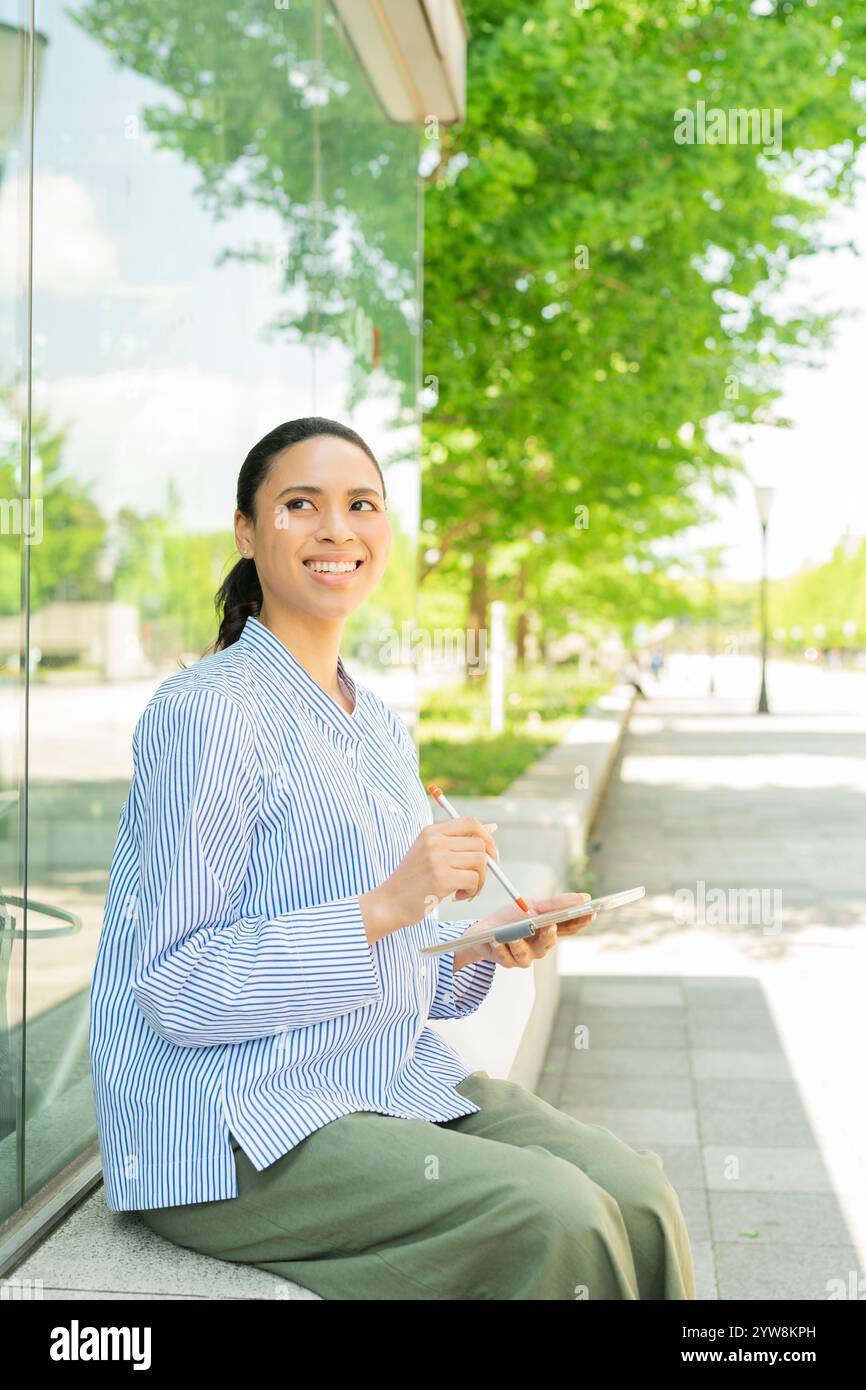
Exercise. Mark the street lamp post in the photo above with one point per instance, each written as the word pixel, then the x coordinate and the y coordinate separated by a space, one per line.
pixel 764 500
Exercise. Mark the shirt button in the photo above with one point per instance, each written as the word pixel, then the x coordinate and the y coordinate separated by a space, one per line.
pixel 393 807
pixel 423 971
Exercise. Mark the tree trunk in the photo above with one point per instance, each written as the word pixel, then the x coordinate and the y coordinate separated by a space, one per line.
pixel 522 626
pixel 476 633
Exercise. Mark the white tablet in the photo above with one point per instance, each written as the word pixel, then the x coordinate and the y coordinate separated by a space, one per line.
pixel 527 926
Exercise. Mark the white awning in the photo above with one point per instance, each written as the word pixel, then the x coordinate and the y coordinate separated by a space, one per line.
pixel 414 54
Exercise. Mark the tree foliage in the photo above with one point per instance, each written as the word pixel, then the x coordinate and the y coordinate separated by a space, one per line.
pixel 597 295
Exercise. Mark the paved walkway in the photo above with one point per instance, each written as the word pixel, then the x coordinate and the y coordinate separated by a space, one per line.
pixel 724 1012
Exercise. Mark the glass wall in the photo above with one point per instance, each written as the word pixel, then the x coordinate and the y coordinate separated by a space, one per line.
pixel 16 518
pixel 225 236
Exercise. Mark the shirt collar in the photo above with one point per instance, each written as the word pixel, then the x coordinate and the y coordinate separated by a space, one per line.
pixel 272 655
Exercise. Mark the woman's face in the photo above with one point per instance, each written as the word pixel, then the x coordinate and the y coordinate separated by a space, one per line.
pixel 321 500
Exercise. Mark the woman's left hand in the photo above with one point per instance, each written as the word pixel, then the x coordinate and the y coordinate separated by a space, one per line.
pixel 531 948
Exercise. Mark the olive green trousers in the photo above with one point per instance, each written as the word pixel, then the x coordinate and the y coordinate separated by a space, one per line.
pixel 517 1201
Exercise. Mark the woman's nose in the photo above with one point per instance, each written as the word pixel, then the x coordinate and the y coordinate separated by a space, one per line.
pixel 335 529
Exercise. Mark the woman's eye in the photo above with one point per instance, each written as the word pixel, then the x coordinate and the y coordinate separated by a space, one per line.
pixel 363 500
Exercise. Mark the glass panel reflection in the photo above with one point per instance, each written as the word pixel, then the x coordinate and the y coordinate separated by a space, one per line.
pixel 368 322
pixel 19 527
pixel 159 359
pixel 225 238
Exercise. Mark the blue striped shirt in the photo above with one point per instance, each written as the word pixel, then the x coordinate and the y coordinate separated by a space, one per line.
pixel 234 989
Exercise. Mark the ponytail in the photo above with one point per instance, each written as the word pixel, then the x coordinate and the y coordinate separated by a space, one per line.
pixel 239 595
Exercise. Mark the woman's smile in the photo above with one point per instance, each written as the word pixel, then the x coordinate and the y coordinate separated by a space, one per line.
pixel 332 577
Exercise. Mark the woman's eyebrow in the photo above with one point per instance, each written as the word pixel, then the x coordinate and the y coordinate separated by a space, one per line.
pixel 308 487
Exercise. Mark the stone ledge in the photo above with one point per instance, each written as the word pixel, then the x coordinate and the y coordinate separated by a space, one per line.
pixel 101 1254
pixel 543 824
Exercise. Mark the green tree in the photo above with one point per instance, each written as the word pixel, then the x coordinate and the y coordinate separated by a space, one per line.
pixel 68 529
pixel 830 597
pixel 596 294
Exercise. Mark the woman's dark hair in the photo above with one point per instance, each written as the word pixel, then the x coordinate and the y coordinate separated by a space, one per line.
pixel 240 593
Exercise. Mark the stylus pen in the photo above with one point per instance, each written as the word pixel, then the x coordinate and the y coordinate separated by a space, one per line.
pixel 440 797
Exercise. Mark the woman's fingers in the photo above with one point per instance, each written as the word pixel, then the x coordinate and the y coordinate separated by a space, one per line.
pixel 571 928
pixel 562 902
pixel 468 828
pixel 473 877
pixel 475 862
pixel 525 952
pixel 470 844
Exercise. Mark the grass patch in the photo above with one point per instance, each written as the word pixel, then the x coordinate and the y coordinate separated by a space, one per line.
pixel 458 751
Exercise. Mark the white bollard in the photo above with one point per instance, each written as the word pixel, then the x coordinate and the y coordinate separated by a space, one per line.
pixel 497 666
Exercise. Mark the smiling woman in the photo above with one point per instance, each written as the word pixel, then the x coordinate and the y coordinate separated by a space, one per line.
pixel 310 502
pixel 261 1000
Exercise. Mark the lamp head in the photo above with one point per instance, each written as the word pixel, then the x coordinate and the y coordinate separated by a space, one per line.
pixel 764 499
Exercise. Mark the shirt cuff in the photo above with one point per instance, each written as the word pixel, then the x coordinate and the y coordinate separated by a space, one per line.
pixel 459 994
pixel 329 943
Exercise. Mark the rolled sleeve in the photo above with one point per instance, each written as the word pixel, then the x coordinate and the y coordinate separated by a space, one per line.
pixel 205 974
pixel 459 994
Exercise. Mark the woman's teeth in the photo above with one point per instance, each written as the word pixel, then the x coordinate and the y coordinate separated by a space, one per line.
pixel 320 567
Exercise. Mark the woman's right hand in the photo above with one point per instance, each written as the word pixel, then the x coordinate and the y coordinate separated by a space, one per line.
pixel 447 857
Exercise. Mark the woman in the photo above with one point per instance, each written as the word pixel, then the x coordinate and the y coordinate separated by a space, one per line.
pixel 267 1089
